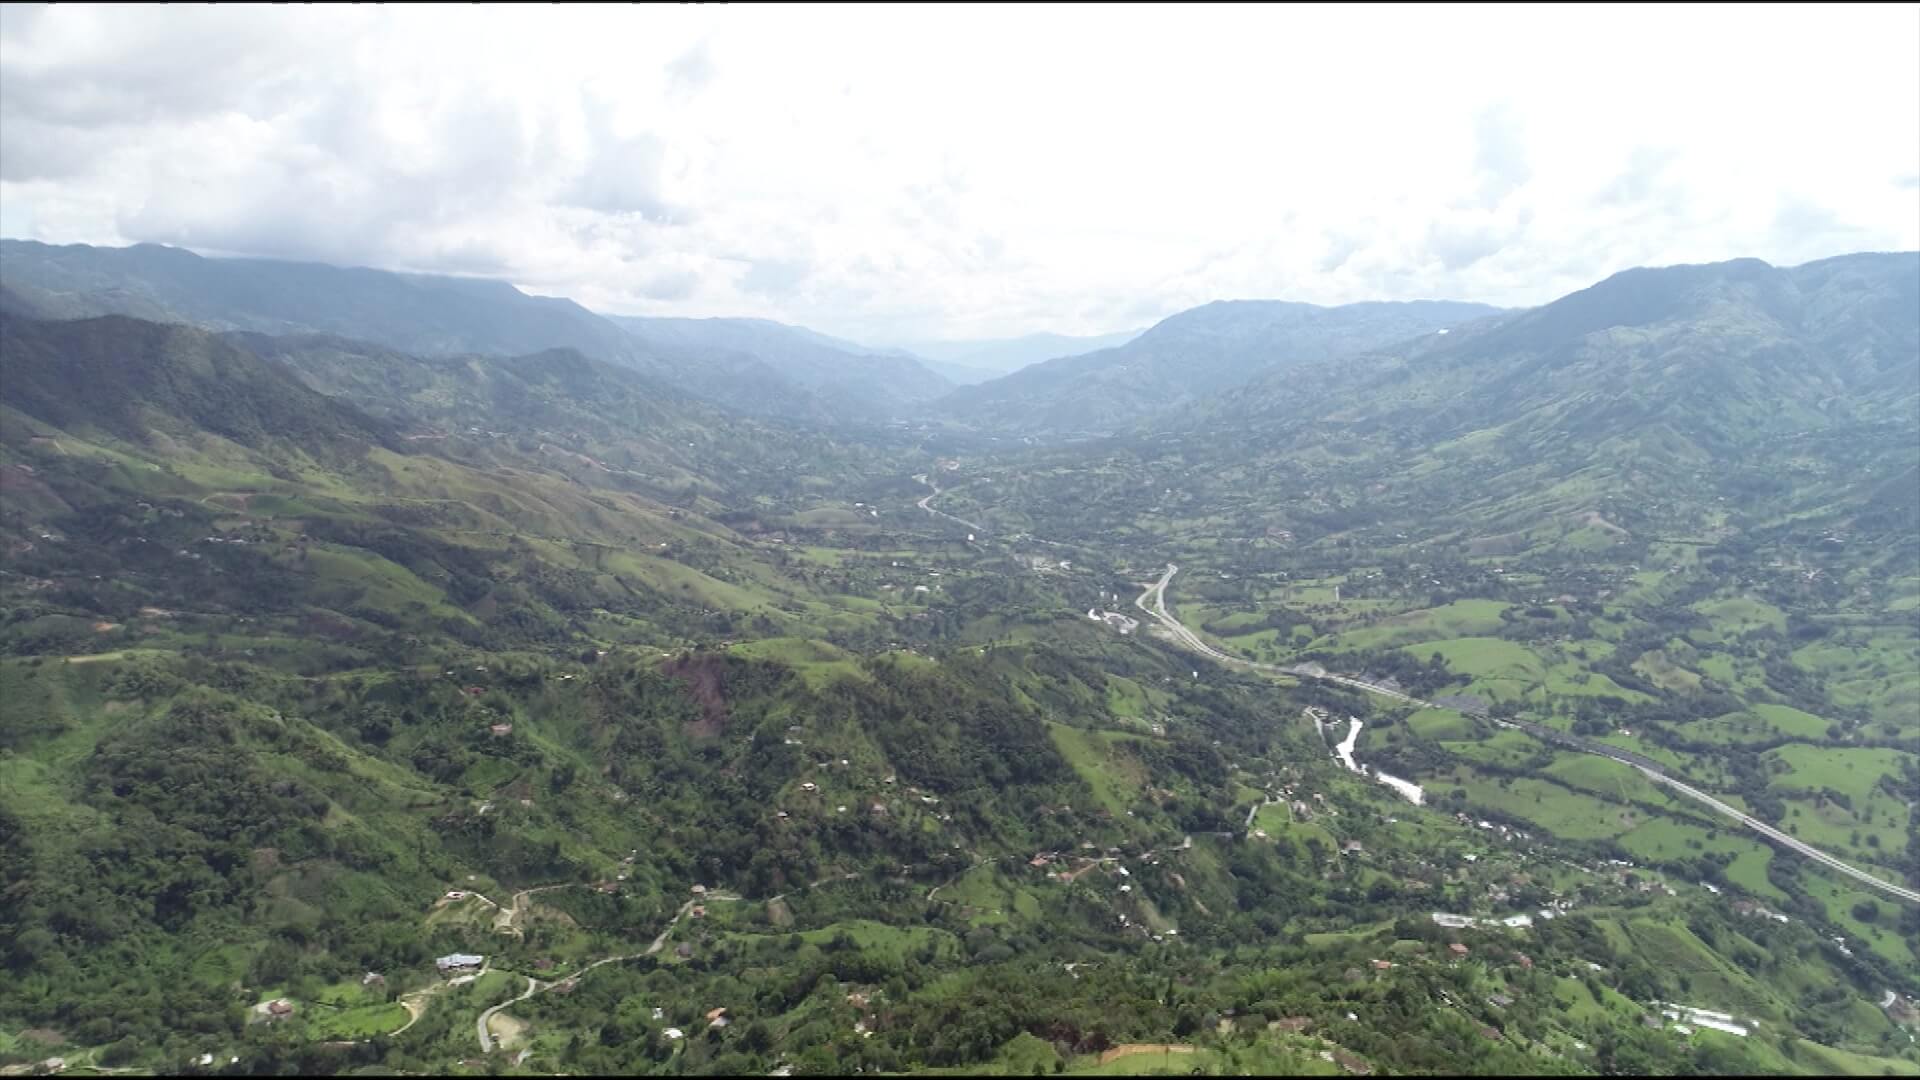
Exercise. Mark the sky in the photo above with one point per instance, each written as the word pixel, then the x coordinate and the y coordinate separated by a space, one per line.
pixel 921 173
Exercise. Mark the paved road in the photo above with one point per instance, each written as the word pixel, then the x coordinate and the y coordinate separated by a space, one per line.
pixel 1153 602
pixel 925 502
pixel 1783 839
pixel 486 1037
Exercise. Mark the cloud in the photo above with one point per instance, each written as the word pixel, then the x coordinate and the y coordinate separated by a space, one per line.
pixel 690 71
pixel 689 161
pixel 1458 247
pixel 624 177
pixel 1500 156
pixel 1643 178
pixel 677 285
pixel 774 276
pixel 1802 226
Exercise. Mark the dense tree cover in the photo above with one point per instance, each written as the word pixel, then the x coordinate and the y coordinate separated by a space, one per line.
pixel 280 682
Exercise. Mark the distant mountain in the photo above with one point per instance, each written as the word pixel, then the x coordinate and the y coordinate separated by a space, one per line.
pixel 732 359
pixel 1676 401
pixel 1189 356
pixel 1721 353
pixel 1671 388
pixel 416 313
pixel 604 423
pixel 969 362
pixel 751 366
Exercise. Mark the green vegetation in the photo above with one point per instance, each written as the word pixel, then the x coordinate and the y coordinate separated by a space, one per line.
pixel 304 636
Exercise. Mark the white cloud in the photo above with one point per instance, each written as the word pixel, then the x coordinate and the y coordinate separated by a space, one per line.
pixel 927 172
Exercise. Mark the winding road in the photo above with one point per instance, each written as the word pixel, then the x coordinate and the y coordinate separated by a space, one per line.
pixel 1153 602
pixel 534 986
pixel 926 501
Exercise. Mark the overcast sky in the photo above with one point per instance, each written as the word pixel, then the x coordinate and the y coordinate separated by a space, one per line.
pixel 969 172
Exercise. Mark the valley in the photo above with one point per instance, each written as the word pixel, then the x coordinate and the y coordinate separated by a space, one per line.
pixel 760 738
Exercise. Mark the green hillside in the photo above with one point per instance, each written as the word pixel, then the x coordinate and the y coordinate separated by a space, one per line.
pixel 322 660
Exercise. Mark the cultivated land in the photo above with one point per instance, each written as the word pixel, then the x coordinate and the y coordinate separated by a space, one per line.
pixel 798 750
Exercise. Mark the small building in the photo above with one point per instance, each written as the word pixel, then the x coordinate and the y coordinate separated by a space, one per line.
pixel 498 730
pixel 1382 965
pixel 280 1007
pixel 684 951
pixel 699 890
pixel 1457 949
pixel 459 962
pixel 373 978
pixel 699 911
pixel 674 1033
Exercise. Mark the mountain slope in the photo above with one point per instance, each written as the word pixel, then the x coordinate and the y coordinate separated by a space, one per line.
pixel 278 716
pixel 1674 400
pixel 747 365
pixel 575 414
pixel 1187 357
pixel 412 312
pixel 969 362
pixel 131 379
pixel 1652 369
pixel 848 381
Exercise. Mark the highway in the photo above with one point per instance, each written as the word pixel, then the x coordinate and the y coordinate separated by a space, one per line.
pixel 1153 602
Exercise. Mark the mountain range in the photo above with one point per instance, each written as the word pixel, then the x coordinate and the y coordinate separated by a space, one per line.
pixel 1188 357
pixel 695 670
pixel 750 366
pixel 969 362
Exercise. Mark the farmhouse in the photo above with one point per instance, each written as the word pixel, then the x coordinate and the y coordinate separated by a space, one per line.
pixel 459 962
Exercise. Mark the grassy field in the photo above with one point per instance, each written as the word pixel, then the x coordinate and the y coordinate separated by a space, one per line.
pixel 817 662
pixel 1115 776
pixel 1568 814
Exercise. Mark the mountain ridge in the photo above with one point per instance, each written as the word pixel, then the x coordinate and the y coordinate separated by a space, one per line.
pixel 1189 355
